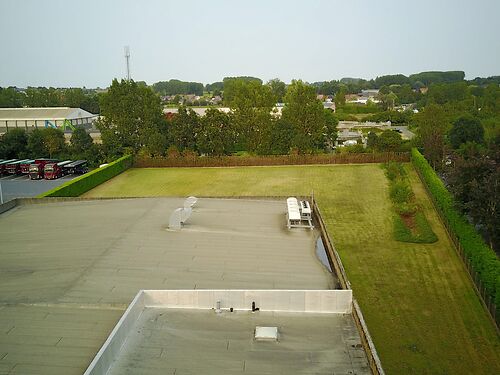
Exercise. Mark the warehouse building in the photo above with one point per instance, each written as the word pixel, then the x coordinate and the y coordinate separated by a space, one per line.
pixel 63 118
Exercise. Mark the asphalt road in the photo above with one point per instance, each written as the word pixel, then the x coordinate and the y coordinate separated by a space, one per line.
pixel 22 187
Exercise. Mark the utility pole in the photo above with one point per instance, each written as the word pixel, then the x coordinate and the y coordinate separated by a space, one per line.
pixel 127 59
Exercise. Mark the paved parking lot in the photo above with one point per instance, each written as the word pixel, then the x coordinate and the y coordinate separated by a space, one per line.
pixel 23 187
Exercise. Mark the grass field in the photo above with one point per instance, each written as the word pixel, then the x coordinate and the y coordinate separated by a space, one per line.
pixel 417 299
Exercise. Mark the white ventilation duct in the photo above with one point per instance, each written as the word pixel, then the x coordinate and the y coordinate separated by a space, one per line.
pixel 179 217
pixel 190 202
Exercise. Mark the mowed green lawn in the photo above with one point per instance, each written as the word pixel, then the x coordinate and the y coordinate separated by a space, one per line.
pixel 417 299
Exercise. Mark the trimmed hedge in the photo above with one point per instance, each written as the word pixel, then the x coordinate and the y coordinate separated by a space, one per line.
pixel 84 183
pixel 483 259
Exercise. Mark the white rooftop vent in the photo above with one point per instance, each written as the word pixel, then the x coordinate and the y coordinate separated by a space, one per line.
pixel 190 202
pixel 266 333
pixel 179 217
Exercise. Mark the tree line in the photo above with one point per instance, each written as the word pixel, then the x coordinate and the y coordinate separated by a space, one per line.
pixel 50 143
pixel 133 121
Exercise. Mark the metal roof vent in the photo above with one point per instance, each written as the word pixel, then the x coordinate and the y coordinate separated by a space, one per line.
pixel 266 333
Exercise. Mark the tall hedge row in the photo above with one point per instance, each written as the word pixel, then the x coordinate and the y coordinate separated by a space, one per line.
pixel 84 183
pixel 483 259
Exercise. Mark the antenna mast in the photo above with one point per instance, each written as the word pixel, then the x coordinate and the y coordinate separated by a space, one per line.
pixel 127 59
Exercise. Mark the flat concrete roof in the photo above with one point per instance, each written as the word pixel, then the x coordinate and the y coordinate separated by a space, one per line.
pixel 69 269
pixel 180 341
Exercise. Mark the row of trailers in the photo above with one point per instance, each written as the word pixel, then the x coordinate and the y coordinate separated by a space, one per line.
pixel 49 169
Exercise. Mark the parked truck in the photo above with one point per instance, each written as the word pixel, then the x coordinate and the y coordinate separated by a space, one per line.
pixel 52 171
pixel 25 166
pixel 14 167
pixel 3 165
pixel 36 168
pixel 77 167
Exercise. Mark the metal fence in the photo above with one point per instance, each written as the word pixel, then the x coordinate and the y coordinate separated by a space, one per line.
pixel 237 161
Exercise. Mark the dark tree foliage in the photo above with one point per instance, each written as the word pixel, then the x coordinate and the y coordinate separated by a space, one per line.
pixel 214 87
pixel 466 129
pixel 182 129
pixel 474 180
pixel 278 89
pixel 13 144
pixel 215 135
pixel 394 79
pixel 130 113
pixel 231 84
pixel 36 146
pixel 175 86
pixel 10 97
pixel 428 78
pixel 54 141
pixel 389 141
pixel 279 138
pixel 306 114
pixel 80 141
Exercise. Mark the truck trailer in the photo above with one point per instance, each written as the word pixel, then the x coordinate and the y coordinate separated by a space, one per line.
pixel 77 167
pixel 52 171
pixel 25 166
pixel 3 165
pixel 14 167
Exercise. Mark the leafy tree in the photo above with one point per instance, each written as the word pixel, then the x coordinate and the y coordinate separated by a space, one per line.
pixel 340 97
pixel 474 180
pixel 372 140
pixel 252 104
pixel 13 144
pixel 174 87
pixel 80 141
pixel 156 144
pixel 215 135
pixel 54 141
pixel 306 114
pixel 278 89
pixel 437 77
pixel 278 139
pixel 395 79
pixel 466 129
pixel 234 83
pixel 330 129
pixel 130 113
pixel 432 125
pixel 389 141
pixel 36 146
pixel 11 98
pixel 182 129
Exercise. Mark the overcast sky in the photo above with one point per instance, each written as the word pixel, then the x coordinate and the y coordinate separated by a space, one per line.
pixel 80 42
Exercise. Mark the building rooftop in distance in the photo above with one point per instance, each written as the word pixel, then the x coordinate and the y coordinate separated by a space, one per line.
pixel 43 113
pixel 68 270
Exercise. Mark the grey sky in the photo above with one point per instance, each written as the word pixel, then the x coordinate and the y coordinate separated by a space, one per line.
pixel 80 43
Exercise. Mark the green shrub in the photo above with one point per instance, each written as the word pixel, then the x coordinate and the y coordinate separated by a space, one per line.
pixel 84 183
pixel 482 257
pixel 406 208
pixel 394 170
pixel 422 233
pixel 400 192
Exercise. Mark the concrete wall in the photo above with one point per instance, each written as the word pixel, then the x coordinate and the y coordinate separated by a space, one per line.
pixel 305 301
pixel 113 344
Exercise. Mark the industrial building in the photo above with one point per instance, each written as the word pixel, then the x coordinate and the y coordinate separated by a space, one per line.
pixel 233 290
pixel 63 118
